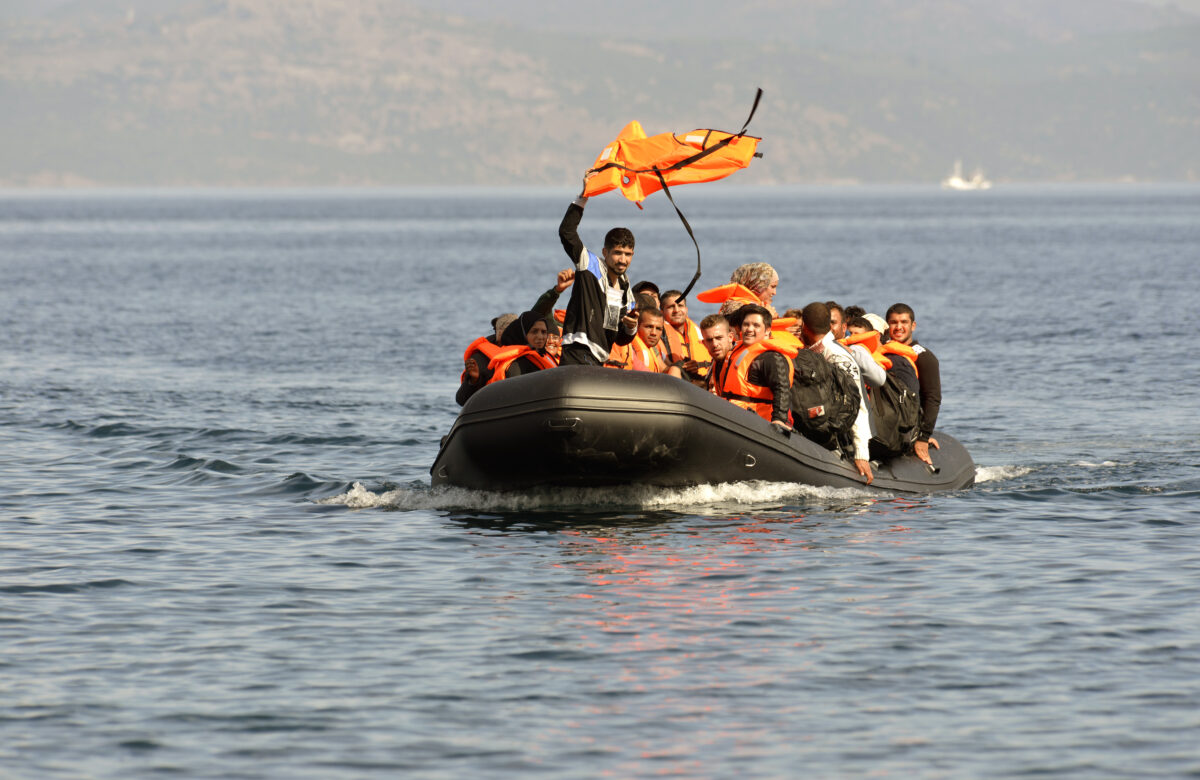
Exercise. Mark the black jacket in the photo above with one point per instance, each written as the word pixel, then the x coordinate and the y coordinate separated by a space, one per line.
pixel 591 327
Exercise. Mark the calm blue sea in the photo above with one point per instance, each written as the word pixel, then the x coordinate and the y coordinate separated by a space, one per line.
pixel 220 556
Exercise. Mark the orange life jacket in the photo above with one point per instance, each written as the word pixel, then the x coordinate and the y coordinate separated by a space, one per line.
pixel 485 346
pixel 787 340
pixel 729 292
pixel 636 356
pixel 507 355
pixel 735 382
pixel 688 345
pixel 870 342
pixel 904 350
pixel 633 163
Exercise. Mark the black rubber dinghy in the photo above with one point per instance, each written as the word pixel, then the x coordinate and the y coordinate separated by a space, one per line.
pixel 581 426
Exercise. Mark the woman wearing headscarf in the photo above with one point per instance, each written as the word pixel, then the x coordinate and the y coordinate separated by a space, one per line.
pixel 760 278
pixel 524 348
pixel 751 283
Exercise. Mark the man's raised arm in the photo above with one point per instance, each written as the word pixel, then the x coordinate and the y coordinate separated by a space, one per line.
pixel 568 233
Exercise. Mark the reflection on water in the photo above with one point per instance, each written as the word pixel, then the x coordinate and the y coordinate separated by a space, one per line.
pixel 220 554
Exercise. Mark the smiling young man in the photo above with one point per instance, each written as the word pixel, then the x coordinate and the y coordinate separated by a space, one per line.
pixel 600 313
pixel 757 375
pixel 901 323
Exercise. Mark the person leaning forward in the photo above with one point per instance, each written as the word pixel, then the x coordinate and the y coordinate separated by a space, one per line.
pixel 600 312
pixel 478 355
pixel 815 333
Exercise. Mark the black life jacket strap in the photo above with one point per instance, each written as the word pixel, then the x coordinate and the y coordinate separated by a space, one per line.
pixel 746 398
pixel 688 228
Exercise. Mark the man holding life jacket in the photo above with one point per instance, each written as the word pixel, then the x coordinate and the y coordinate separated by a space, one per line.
pixel 600 311
pixel 901 323
pixel 647 288
pixel 645 352
pixel 814 332
pixel 757 375
pixel 685 345
pixel 714 331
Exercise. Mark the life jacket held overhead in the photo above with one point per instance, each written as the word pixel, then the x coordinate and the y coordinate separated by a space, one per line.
pixel 639 166
pixel 633 162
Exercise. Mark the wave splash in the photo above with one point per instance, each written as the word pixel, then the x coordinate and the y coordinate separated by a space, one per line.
pixel 737 495
pixel 999 473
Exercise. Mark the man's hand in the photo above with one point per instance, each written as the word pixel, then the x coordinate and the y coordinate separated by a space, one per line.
pixel 921 449
pixel 864 469
pixel 590 173
pixel 783 427
pixel 691 366
pixel 472 371
pixel 566 278
pixel 630 320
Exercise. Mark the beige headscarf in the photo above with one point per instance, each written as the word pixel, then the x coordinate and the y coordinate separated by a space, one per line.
pixel 755 276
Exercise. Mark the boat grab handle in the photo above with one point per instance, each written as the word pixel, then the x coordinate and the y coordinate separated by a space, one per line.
pixel 563 424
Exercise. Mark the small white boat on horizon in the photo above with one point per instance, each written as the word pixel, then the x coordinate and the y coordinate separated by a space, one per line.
pixel 956 181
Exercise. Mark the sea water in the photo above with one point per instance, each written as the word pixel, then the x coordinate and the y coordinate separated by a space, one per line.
pixel 220 555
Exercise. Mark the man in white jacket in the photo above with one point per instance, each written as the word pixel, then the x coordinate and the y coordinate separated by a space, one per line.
pixel 816 335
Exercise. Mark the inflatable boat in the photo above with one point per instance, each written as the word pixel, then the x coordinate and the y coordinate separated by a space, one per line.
pixel 580 426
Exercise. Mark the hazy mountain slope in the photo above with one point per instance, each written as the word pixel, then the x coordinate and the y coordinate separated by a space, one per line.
pixel 373 92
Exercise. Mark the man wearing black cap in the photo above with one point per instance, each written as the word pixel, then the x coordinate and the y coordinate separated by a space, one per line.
pixel 648 288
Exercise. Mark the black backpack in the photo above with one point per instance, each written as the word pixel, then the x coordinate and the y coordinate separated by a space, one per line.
pixel 825 399
pixel 895 418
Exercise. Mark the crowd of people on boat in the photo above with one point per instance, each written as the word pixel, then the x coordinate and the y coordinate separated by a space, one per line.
pixel 848 379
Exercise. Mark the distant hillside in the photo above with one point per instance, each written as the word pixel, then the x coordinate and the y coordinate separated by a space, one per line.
pixel 360 92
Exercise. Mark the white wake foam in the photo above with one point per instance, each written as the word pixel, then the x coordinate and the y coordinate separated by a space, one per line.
pixel 999 473
pixel 735 495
